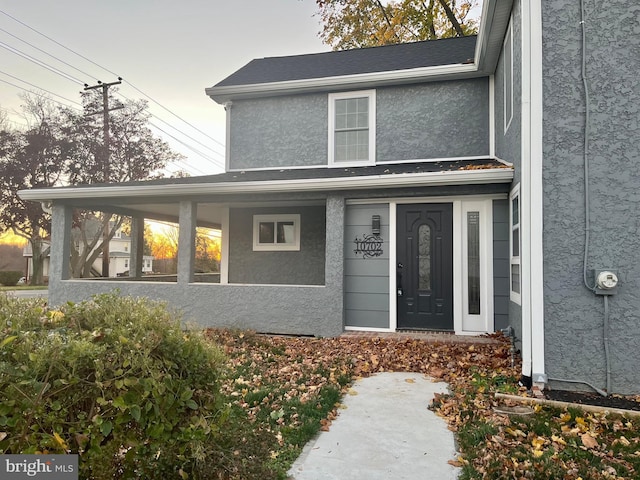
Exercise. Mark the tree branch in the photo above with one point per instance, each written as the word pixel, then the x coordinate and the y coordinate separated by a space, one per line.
pixel 452 18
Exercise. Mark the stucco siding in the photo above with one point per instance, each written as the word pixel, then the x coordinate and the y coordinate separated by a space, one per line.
pixel 287 131
pixel 366 295
pixel 303 267
pixel 573 315
pixel 508 134
pixel 428 121
pixel 508 146
pixel 413 122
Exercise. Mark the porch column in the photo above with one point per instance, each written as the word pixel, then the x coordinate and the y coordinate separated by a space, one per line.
pixel 187 241
pixel 334 260
pixel 137 247
pixel 60 252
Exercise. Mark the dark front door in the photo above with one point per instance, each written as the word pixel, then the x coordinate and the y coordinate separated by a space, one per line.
pixel 425 266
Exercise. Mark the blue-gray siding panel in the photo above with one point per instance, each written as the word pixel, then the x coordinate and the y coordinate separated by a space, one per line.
pixel 500 264
pixel 573 315
pixel 366 284
pixel 367 318
pixel 366 279
pixel 370 302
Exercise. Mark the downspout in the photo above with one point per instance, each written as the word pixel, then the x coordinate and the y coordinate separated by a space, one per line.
pixel 537 196
pixel 533 362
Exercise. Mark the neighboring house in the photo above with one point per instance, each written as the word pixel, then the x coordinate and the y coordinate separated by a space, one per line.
pixel 435 185
pixel 119 258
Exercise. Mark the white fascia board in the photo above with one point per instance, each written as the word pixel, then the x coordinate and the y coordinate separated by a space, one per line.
pixel 458 177
pixel 358 81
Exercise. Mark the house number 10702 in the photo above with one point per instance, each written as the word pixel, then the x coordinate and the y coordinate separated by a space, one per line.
pixel 369 246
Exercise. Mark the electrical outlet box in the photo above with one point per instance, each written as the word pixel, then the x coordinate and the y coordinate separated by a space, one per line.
pixel 606 281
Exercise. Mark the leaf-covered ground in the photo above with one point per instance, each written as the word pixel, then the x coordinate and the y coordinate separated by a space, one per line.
pixel 288 388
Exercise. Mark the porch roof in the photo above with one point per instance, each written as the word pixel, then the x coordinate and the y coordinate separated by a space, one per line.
pixel 159 198
pixel 392 175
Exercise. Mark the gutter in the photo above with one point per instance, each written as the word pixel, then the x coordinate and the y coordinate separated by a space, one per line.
pixel 458 177
pixel 224 94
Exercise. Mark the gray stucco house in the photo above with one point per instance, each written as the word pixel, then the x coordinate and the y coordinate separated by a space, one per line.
pixel 464 185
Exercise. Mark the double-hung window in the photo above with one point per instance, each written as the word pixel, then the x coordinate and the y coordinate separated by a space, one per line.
pixel 514 216
pixel 276 232
pixel 352 128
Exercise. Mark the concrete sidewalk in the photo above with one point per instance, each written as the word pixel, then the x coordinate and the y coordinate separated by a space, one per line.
pixel 385 431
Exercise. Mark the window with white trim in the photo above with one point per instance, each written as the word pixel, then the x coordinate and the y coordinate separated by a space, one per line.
pixel 352 130
pixel 276 232
pixel 507 49
pixel 514 249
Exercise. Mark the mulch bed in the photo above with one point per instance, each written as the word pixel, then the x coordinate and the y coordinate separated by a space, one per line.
pixel 611 401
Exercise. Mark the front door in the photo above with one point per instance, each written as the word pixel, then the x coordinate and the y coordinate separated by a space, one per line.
pixel 425 266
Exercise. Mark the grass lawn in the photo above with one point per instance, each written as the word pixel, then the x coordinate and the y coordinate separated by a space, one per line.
pixel 272 395
pixel 284 390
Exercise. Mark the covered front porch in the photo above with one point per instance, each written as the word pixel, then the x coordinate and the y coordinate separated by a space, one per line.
pixel 267 288
pixel 288 259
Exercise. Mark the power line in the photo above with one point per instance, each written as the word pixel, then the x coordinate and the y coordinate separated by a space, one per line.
pixel 39 94
pixel 176 129
pixel 41 63
pixel 46 53
pixel 39 88
pixel 174 114
pixel 215 162
pixel 196 151
pixel 113 73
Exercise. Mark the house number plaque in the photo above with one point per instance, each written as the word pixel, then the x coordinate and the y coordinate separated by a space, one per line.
pixel 369 246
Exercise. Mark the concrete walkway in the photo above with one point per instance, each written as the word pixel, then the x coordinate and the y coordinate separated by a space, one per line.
pixel 385 432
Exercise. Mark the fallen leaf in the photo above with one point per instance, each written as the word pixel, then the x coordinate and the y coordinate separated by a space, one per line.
pixel 588 441
pixel 409 380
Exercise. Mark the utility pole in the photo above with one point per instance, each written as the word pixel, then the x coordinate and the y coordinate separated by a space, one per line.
pixel 106 167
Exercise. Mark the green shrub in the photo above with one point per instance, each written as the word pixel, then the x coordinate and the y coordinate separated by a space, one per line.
pixel 9 278
pixel 116 380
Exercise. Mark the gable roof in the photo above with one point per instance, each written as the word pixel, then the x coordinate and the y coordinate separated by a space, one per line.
pixel 403 56
pixel 433 60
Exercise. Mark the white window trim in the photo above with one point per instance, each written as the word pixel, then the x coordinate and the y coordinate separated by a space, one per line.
pixel 508 102
pixel 371 95
pixel 291 217
pixel 513 260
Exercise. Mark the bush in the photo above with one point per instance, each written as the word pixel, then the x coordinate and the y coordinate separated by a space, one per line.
pixel 9 278
pixel 117 381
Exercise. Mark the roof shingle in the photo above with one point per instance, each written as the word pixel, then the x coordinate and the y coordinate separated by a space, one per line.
pixel 403 56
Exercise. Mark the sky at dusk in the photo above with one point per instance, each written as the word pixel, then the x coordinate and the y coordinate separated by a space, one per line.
pixel 168 50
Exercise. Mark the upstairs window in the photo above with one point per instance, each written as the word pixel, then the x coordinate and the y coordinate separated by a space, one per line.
pixel 352 128
pixel 276 232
